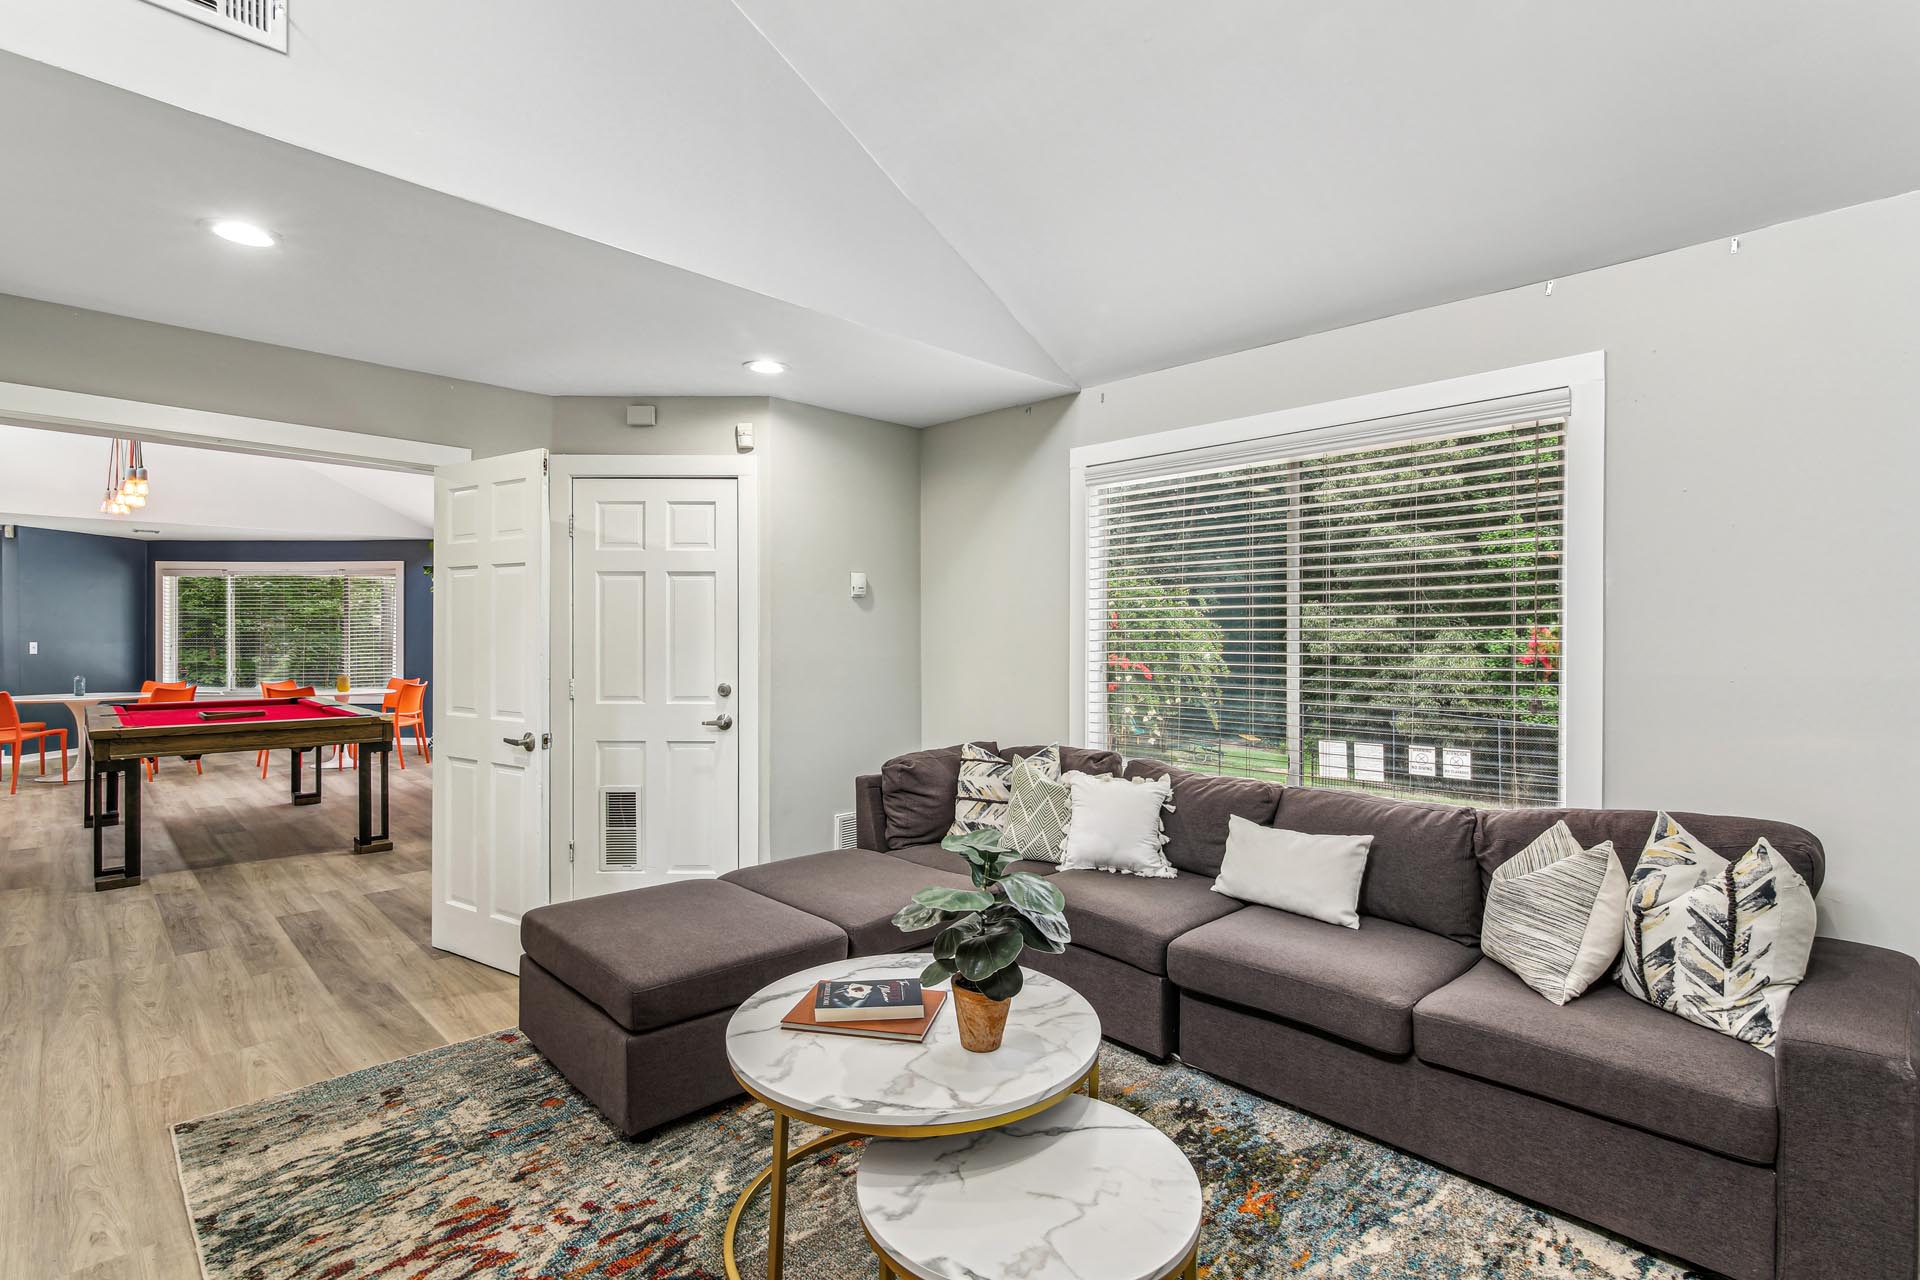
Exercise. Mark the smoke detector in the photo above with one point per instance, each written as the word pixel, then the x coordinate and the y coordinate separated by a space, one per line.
pixel 262 21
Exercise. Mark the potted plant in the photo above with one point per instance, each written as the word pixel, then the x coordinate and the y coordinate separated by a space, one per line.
pixel 985 929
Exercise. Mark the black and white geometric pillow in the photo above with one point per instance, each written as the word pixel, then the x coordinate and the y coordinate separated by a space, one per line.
pixel 1039 807
pixel 1553 913
pixel 985 787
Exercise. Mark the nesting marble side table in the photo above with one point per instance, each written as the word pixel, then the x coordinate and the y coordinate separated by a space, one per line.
pixel 855 1087
pixel 1084 1190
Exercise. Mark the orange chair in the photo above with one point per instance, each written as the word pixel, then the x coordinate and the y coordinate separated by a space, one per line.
pixel 388 701
pixel 156 691
pixel 17 732
pixel 406 705
pixel 279 689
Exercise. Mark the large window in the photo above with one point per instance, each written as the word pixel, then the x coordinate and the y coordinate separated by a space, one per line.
pixel 1379 609
pixel 230 627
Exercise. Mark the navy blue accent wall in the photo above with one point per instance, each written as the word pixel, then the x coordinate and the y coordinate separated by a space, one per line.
pixel 88 602
pixel 416 598
pixel 83 600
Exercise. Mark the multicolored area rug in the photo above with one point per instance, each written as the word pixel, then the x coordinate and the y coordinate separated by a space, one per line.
pixel 479 1160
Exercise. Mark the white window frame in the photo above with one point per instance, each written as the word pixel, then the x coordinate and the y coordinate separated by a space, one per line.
pixel 289 568
pixel 1574 385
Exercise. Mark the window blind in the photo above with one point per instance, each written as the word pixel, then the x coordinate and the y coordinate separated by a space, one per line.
pixel 232 629
pixel 1386 618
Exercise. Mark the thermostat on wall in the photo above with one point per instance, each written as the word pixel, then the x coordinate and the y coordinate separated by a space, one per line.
pixel 859 586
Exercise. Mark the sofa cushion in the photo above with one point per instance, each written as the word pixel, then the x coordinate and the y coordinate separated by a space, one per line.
pixel 1133 918
pixel 1606 1053
pixel 1358 984
pixel 1197 825
pixel 1504 832
pixel 856 889
pixel 1420 870
pixel 917 791
pixel 1073 759
pixel 932 855
pixel 653 957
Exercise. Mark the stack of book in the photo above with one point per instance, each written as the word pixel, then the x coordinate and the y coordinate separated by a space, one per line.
pixel 880 1008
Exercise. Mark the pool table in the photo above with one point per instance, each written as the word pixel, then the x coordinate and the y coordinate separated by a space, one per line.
pixel 121 734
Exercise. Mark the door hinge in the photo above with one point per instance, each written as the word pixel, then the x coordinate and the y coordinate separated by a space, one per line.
pixel 569 526
pixel 569 688
pixel 569 853
pixel 543 464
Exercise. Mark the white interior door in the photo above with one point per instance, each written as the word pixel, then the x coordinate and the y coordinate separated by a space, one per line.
pixel 654 744
pixel 490 609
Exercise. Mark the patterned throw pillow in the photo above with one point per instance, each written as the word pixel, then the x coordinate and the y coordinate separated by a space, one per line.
pixel 985 786
pixel 1554 911
pixel 1039 808
pixel 1720 943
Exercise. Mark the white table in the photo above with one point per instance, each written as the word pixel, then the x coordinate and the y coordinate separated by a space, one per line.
pixel 76 705
pixel 1085 1190
pixel 856 1087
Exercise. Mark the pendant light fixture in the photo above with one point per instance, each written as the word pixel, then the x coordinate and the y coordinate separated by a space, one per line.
pixel 127 485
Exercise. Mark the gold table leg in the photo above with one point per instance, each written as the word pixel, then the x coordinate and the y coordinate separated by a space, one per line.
pixel 1093 1081
pixel 777 1208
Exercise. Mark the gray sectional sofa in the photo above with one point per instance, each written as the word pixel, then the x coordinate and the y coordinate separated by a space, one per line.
pixel 1797 1165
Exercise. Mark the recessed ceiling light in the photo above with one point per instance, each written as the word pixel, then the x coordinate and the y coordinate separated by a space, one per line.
pixel 768 367
pixel 245 233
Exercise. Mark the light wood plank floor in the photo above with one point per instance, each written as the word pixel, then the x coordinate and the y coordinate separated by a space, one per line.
pixel 259 956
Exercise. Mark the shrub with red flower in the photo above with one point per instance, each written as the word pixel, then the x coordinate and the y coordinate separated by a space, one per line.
pixel 1542 650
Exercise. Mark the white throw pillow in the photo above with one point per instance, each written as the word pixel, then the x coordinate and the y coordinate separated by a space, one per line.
pixel 1313 876
pixel 1553 913
pixel 1720 943
pixel 1116 825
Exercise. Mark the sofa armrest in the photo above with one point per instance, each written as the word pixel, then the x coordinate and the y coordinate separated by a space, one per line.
pixel 869 813
pixel 1848 1172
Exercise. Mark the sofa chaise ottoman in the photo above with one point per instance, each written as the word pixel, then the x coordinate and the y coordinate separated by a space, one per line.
pixel 629 995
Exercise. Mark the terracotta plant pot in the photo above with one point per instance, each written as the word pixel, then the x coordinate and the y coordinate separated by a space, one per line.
pixel 982 1021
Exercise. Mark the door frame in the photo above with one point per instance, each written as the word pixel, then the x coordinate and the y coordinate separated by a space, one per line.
pixel 744 470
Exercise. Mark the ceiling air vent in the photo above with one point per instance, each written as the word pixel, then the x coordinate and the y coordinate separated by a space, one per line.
pixel 619 829
pixel 261 21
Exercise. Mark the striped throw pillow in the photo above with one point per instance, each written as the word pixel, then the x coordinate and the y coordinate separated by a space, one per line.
pixel 985 786
pixel 1554 913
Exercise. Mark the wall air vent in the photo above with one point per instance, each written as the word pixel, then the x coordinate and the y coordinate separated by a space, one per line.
pixel 262 21
pixel 846 831
pixel 619 829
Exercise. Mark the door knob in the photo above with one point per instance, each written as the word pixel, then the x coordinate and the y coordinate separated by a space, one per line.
pixel 524 741
pixel 722 722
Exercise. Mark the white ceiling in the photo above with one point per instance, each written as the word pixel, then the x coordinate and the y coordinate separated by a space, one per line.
pixel 55 480
pixel 927 209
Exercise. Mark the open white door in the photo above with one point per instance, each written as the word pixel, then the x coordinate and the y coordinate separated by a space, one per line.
pixel 490 602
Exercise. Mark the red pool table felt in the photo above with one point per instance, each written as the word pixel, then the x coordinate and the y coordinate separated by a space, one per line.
pixel 166 714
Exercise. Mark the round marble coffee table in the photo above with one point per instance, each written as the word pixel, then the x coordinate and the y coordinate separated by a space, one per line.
pixel 856 1087
pixel 1085 1190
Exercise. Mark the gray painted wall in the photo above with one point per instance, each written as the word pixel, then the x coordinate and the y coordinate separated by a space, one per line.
pixel 46 345
pixel 1760 588
pixel 837 493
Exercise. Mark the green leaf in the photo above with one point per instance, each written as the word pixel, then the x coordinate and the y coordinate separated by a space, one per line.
pixel 1004 985
pixel 937 972
pixel 986 953
pixel 914 917
pixel 1051 937
pixel 985 840
pixel 947 942
pixel 1033 895
pixel 942 899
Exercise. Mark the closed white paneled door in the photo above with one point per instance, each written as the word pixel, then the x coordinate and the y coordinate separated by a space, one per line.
pixel 490 608
pixel 655 738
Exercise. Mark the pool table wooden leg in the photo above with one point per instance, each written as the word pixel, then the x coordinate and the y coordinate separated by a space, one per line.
pixel 128 872
pixel 366 841
pixel 301 796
